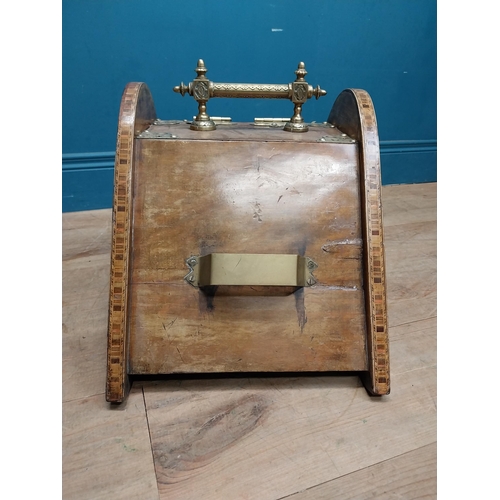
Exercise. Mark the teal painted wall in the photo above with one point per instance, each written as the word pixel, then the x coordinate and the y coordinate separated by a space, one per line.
pixel 387 47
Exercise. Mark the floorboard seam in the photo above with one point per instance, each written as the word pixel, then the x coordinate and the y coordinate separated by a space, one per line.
pixel 83 397
pixel 150 440
pixel 355 471
pixel 409 322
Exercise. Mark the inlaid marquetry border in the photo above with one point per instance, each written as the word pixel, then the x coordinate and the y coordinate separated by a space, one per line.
pixel 375 245
pixel 354 113
pixel 136 109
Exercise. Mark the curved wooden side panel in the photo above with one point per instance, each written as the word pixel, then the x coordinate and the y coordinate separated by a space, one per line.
pixel 353 113
pixel 137 111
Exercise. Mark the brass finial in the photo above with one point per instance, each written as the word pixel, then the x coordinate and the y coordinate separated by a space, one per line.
pixel 201 70
pixel 300 72
pixel 318 92
pixel 181 89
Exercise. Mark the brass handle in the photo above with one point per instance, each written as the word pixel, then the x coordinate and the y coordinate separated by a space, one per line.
pixel 202 89
pixel 260 270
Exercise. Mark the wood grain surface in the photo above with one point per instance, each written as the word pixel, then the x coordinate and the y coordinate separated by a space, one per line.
pixel 199 197
pixel 86 248
pixel 394 479
pixel 255 437
pixel 106 450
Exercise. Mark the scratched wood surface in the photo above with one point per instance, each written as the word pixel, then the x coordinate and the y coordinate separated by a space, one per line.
pixel 255 438
pixel 194 198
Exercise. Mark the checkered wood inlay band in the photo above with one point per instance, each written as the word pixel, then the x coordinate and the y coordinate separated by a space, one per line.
pixel 376 268
pixel 117 327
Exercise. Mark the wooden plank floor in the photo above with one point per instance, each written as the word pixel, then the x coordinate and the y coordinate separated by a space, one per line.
pixel 255 438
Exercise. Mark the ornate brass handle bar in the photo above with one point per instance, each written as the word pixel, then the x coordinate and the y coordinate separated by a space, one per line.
pixel 202 89
pixel 251 90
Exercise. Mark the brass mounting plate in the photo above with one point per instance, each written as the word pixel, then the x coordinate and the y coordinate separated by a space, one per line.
pixel 270 122
pixel 148 134
pixel 337 139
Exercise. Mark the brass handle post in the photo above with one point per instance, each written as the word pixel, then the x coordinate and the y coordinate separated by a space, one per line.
pixel 202 89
